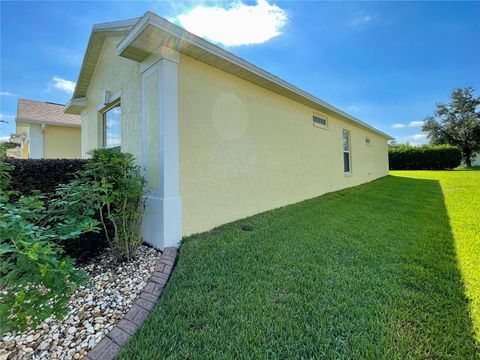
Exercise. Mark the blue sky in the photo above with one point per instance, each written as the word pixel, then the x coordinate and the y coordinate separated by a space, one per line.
pixel 386 63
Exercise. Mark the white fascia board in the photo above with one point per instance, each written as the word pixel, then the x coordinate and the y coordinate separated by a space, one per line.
pixel 46 122
pixel 78 102
pixel 135 31
pixel 115 26
pixel 153 19
pixel 75 106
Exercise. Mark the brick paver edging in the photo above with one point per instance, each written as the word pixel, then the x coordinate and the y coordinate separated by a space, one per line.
pixel 112 343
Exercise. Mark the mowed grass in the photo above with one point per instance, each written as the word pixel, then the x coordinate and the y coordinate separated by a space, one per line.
pixel 371 272
pixel 461 190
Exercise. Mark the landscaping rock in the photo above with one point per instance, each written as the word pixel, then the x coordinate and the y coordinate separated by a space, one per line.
pixel 94 310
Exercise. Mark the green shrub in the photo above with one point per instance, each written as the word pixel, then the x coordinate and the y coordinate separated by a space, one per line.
pixel 30 176
pixel 113 184
pixel 44 175
pixel 5 146
pixel 425 157
pixel 36 278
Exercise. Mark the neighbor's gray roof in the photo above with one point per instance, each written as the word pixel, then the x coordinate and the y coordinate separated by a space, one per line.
pixel 144 35
pixel 45 112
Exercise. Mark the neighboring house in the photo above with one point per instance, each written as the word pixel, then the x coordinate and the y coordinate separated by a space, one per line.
pixel 44 131
pixel 220 138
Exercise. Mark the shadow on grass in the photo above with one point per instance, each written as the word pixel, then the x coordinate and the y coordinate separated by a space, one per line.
pixel 433 309
pixel 367 272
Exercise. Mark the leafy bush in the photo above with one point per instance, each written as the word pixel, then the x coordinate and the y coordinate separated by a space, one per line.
pixel 44 175
pixel 113 184
pixel 5 146
pixel 426 157
pixel 36 278
pixel 30 176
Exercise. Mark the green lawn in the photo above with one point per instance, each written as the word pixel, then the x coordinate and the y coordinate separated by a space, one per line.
pixel 388 270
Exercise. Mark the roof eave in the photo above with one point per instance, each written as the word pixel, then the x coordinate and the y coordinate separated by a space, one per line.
pixel 194 46
pixel 95 42
pixel 46 122
pixel 75 106
pixel 157 31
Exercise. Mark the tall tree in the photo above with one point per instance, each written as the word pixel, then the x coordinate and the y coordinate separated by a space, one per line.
pixel 457 123
pixel 6 145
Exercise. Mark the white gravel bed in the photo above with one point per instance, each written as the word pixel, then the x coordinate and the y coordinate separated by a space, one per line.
pixel 94 309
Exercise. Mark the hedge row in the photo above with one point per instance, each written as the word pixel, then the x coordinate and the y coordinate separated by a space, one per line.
pixel 45 175
pixel 425 157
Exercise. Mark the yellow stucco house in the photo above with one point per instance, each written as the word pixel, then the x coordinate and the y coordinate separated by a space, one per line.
pixel 44 131
pixel 220 138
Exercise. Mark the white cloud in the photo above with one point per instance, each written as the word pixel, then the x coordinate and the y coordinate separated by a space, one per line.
pixel 362 20
pixel 5 117
pixel 6 93
pixel 419 136
pixel 398 126
pixel 63 85
pixel 415 123
pixel 415 139
pixel 237 24
pixel 4 138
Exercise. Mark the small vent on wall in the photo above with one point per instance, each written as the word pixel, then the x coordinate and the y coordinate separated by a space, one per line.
pixel 367 141
pixel 320 121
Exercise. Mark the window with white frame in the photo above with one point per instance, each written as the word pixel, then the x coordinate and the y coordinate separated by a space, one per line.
pixel 320 121
pixel 347 158
pixel 112 127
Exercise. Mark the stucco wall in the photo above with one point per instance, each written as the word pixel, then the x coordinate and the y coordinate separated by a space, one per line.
pixel 24 152
pixel 113 73
pixel 244 149
pixel 61 142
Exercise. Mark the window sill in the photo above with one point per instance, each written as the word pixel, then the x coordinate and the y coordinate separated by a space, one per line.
pixel 347 174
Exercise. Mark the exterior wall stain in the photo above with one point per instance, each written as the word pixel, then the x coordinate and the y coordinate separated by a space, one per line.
pixel 243 149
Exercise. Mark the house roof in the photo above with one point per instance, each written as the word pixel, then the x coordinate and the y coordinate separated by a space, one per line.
pixel 143 36
pixel 94 47
pixel 45 112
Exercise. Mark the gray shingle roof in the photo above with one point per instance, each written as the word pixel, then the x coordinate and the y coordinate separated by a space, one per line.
pixel 45 112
